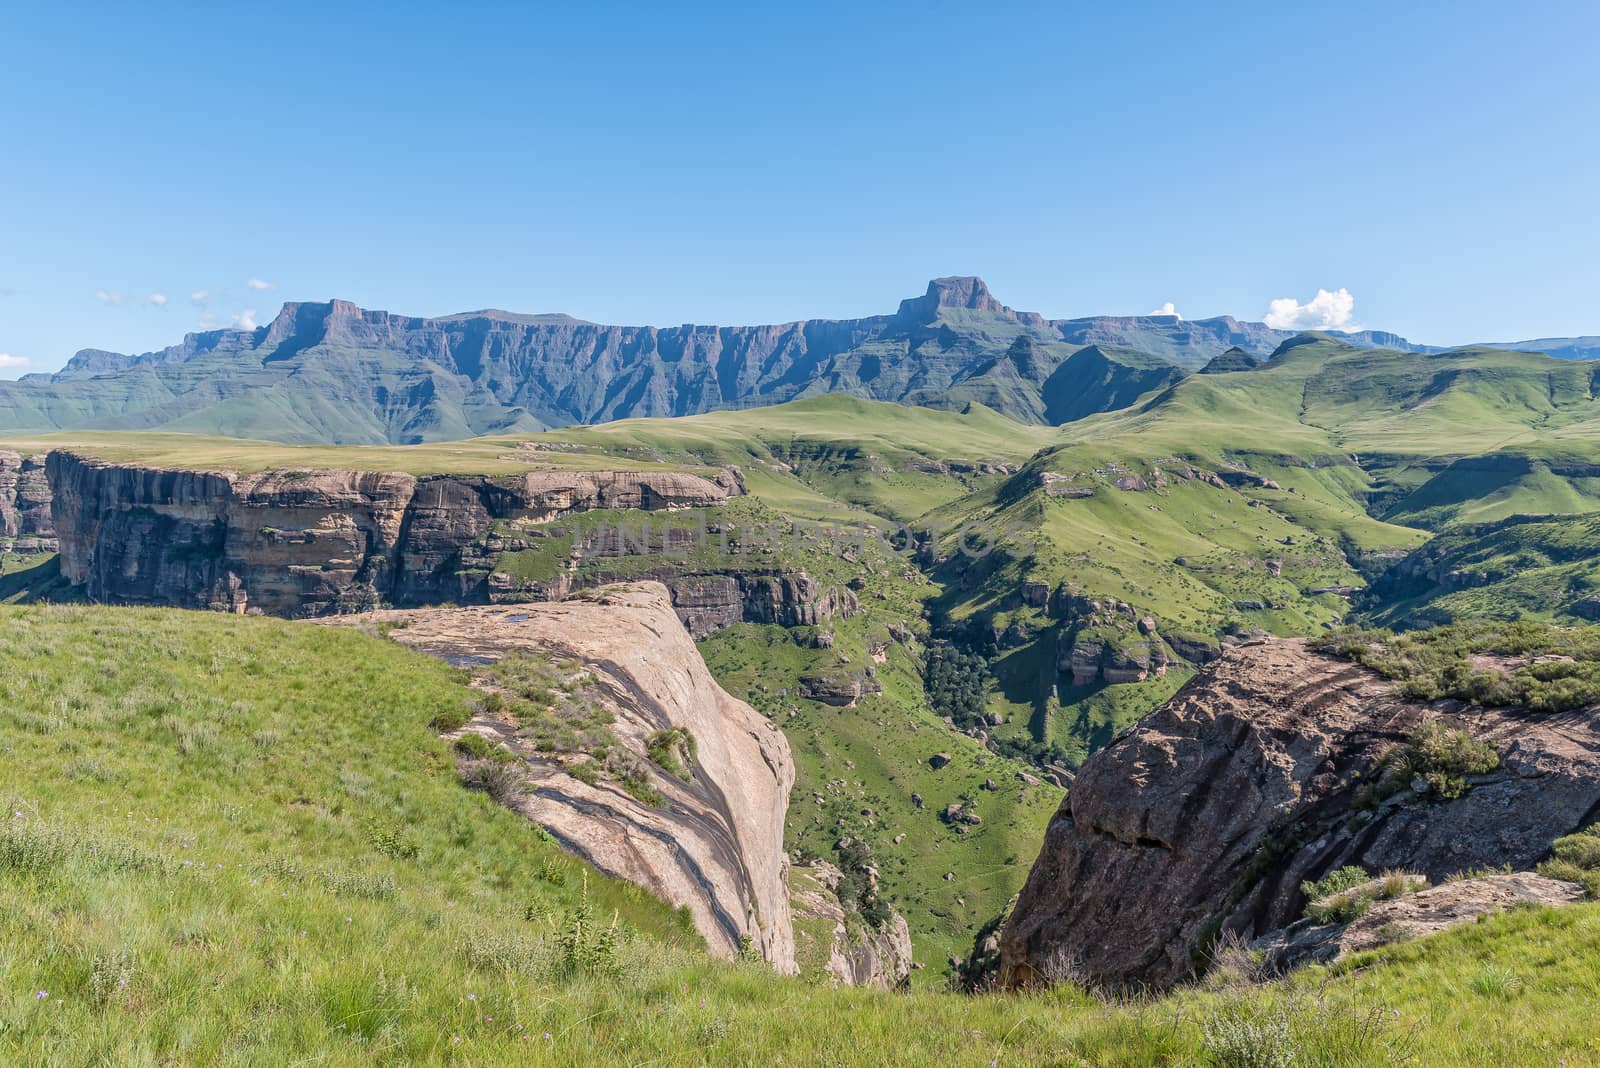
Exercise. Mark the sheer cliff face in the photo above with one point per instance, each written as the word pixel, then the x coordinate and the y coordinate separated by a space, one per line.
pixel 1207 816
pixel 306 542
pixel 715 845
pixel 25 524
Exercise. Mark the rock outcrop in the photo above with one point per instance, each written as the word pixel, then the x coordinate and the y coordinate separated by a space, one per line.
pixel 845 947
pixel 715 844
pixel 1208 815
pixel 25 524
pixel 1412 916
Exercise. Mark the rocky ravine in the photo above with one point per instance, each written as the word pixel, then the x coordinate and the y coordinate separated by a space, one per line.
pixel 715 845
pixel 311 542
pixel 1207 816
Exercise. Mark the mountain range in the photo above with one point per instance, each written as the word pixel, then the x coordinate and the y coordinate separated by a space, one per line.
pixel 336 373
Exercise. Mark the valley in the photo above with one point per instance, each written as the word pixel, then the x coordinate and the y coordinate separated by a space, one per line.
pixel 949 615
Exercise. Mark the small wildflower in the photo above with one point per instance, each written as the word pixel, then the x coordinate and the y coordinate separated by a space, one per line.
pixel 547 1034
pixel 472 997
pixel 41 995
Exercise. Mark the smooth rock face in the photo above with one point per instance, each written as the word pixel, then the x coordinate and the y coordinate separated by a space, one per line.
pixel 1411 916
pixel 25 525
pixel 867 957
pixel 716 846
pixel 1208 815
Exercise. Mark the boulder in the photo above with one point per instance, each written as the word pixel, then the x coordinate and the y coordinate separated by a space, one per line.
pixel 1207 816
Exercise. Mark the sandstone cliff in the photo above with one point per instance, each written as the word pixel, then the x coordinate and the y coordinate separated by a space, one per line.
pixel 309 542
pixel 1206 817
pixel 25 525
pixel 715 843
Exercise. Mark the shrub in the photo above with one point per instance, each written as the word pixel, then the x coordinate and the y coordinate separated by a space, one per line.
pixel 673 749
pixel 28 849
pixel 1576 858
pixel 586 945
pixel 1441 757
pixel 1346 878
pixel 501 781
pixel 1340 908
pixel 1239 1039
pixel 449 718
pixel 390 840
pixel 587 771
pixel 473 745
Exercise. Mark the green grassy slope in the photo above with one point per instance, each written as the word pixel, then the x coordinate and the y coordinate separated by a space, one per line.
pixel 236 841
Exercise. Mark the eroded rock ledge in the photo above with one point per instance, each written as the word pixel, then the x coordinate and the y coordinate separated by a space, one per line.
pixel 715 844
pixel 1207 816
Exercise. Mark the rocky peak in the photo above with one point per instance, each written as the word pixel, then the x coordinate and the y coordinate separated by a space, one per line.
pixel 960 291
pixel 310 321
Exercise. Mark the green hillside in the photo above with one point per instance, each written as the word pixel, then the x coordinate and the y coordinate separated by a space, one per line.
pixel 235 841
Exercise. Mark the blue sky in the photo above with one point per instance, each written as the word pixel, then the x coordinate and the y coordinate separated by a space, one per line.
pixel 663 163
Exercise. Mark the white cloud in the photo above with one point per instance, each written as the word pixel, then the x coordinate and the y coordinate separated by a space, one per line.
pixel 156 300
pixel 1167 309
pixel 1325 311
pixel 199 297
pixel 258 284
pixel 245 320
pixel 109 296
pixel 9 362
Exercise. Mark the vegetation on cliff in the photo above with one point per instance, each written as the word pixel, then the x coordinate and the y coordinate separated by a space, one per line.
pixel 1543 667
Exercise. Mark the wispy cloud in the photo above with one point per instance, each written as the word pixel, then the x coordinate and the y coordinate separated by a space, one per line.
pixel 200 297
pixel 110 296
pixel 1167 309
pixel 258 284
pixel 9 362
pixel 156 300
pixel 1325 311
pixel 245 320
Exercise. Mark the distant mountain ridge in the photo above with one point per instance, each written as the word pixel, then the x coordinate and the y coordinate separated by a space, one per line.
pixel 337 373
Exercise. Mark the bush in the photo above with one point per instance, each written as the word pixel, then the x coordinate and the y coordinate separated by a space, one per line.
pixel 27 849
pixel 673 749
pixel 1576 858
pixel 448 719
pixel 1239 1039
pixel 1346 878
pixel 390 840
pixel 1441 757
pixel 501 781
pixel 586 945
